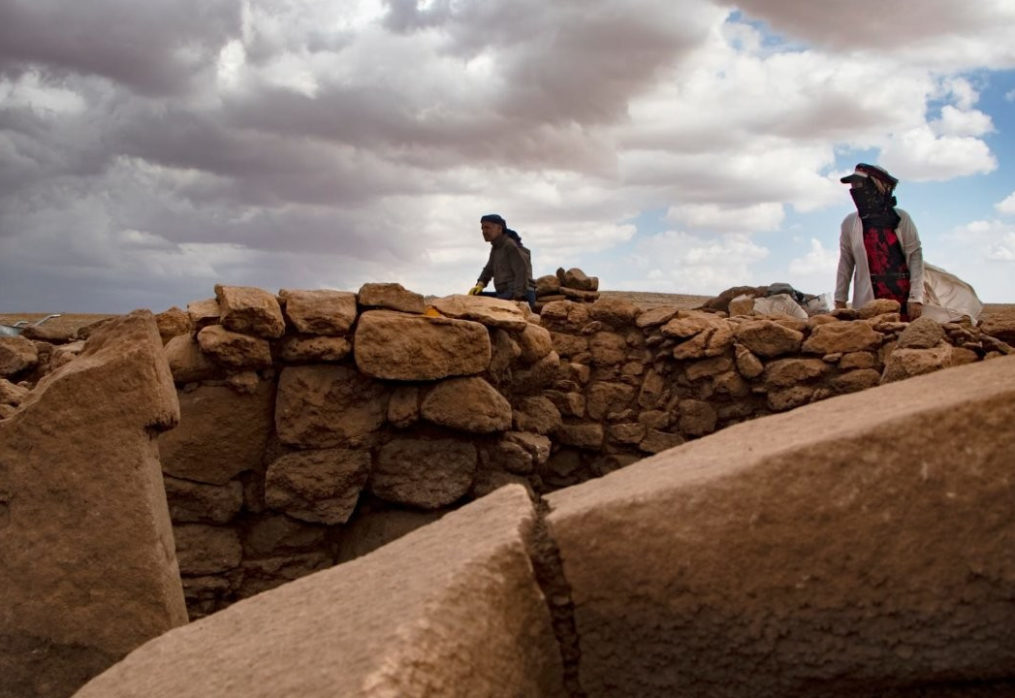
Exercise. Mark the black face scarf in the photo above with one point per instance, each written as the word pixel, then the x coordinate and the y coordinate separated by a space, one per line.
pixel 876 208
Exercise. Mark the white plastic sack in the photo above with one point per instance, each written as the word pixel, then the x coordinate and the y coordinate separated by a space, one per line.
pixel 946 297
pixel 779 304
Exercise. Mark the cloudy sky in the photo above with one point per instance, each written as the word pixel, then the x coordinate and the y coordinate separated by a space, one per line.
pixel 151 150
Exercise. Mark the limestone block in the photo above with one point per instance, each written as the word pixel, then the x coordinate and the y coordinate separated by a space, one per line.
pixel 1001 326
pixel 277 535
pixel 789 398
pixel 173 323
pixel 608 349
pixel 321 406
pixel 249 310
pixel 784 373
pixel 535 342
pixel 537 414
pixel 653 390
pixel 749 365
pixel 571 404
pixel 392 296
pixel 367 628
pixel 187 362
pixel 855 381
pixel 587 435
pixel 403 406
pixel 89 570
pixel 506 455
pixel 905 363
pixel 467 404
pixel 768 339
pixel 577 279
pixel 12 393
pixel 425 473
pixel 195 502
pixel 708 368
pixel 741 305
pixel 603 397
pixel 858 359
pixel 309 349
pixel 547 285
pixel 685 327
pixel 842 337
pixel 697 417
pixel 878 306
pixel 579 296
pixel 878 520
pixel 492 312
pixel 537 445
pixel 504 350
pixel 221 433
pixel 657 441
pixel 320 486
pixel 626 432
pixel 233 349
pixel 922 333
pixel 614 312
pixel 539 375
pixel 396 346
pixel 204 312
pixel 205 549
pixel 654 317
pixel 568 344
pixel 262 574
pixel 565 316
pixel 17 355
pixel 320 312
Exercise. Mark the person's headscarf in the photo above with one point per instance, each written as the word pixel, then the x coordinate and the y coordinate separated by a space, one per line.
pixel 871 190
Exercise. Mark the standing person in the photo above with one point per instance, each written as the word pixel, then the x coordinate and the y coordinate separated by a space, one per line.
pixel 879 246
pixel 510 263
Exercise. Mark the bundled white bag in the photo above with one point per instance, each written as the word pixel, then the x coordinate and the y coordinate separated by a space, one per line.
pixel 946 297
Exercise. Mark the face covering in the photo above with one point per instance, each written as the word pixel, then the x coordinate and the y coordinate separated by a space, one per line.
pixel 876 208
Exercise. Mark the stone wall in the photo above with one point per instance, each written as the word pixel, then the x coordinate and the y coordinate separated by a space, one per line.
pixel 318 425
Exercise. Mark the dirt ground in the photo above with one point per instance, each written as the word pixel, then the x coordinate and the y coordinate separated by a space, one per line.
pixel 72 321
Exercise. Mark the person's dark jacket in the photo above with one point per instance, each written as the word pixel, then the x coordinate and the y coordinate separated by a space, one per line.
pixel 508 268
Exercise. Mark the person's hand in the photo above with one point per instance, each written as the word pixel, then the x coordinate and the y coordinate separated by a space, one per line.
pixel 840 304
pixel 475 289
pixel 914 310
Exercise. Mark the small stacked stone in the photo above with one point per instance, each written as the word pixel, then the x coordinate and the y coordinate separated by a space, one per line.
pixel 571 285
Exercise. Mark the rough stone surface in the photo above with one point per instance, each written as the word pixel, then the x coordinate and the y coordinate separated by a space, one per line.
pixel 607 348
pixel 367 628
pixel 397 346
pixel 173 323
pixel 314 348
pixel 425 473
pixel 89 570
pixel 535 342
pixel 195 502
pixel 204 312
pixel 233 349
pixel 768 339
pixel 12 393
pixel 187 362
pixel 537 414
pixel 320 486
pixel 467 404
pixel 905 363
pixel 842 337
pixel 614 312
pixel 207 549
pixel 221 433
pixel 587 435
pixel 492 312
pixel 17 354
pixel 371 530
pixel 878 306
pixel 888 519
pixel 403 406
pixel 321 406
pixel 250 310
pixel 784 373
pixel 320 312
pixel 391 296
pixel 922 333
pixel 604 397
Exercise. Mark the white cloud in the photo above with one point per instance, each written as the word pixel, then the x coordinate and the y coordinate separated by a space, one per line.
pixel 1007 205
pixel 919 155
pixel 956 122
pixel 747 219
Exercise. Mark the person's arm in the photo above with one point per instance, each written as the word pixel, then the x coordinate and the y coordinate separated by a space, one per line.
pixel 913 249
pixel 844 274
pixel 519 273
pixel 487 273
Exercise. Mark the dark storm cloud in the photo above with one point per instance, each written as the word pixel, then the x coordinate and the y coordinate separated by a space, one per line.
pixel 153 47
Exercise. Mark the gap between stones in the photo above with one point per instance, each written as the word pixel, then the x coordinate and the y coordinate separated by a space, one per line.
pixel 549 573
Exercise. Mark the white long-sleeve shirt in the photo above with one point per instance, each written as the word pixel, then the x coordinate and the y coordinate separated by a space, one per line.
pixel 853 260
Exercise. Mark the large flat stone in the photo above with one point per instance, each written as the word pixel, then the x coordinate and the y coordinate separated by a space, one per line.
pixel 320 406
pixel 397 346
pixel 221 433
pixel 867 554
pixel 88 567
pixel 448 610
